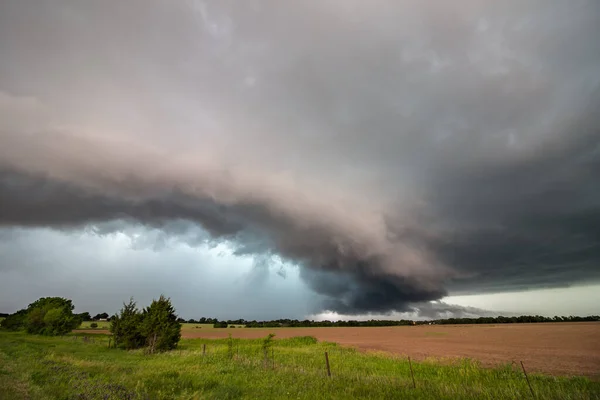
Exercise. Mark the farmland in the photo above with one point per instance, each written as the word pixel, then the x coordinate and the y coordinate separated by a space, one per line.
pixel 558 349
pixel 69 367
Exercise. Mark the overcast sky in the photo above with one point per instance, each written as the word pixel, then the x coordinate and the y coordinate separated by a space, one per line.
pixel 268 159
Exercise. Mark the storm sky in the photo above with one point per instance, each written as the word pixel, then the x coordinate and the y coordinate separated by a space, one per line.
pixel 268 159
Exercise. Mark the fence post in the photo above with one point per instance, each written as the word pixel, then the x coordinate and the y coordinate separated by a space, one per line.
pixel 412 375
pixel 203 349
pixel 527 379
pixel 327 362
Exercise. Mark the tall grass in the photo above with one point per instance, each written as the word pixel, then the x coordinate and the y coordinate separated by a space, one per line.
pixel 34 367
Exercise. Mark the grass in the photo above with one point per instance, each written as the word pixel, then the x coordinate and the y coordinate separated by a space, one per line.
pixel 101 325
pixel 34 367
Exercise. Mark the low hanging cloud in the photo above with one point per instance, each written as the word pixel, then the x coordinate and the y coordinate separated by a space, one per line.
pixel 394 152
pixel 417 311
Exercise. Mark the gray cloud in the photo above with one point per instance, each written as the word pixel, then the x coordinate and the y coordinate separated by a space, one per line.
pixel 441 310
pixel 419 311
pixel 394 152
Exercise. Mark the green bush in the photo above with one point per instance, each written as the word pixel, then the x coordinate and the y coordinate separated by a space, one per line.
pixel 160 325
pixel 93 325
pixel 126 327
pixel 155 328
pixel 50 316
pixel 14 322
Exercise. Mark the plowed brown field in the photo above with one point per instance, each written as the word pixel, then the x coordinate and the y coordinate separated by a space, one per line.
pixel 553 348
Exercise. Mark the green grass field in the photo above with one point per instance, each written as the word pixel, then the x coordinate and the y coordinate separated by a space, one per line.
pixel 34 367
pixel 101 324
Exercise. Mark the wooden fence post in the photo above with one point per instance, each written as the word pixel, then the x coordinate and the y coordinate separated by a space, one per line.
pixel 327 362
pixel 527 379
pixel 203 349
pixel 412 375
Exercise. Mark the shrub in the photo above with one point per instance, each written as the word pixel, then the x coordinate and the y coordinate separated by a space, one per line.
pixel 51 316
pixel 93 325
pixel 230 347
pixel 220 324
pixel 126 327
pixel 267 343
pixel 156 327
pixel 161 326
pixel 14 322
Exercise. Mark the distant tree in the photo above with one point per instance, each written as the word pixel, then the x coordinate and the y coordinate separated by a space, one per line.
pixel 181 320
pixel 126 327
pixel 220 324
pixel 84 316
pixel 93 325
pixel 101 316
pixel 51 316
pixel 14 322
pixel 160 326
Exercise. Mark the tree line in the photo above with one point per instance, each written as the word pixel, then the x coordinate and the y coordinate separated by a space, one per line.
pixel 155 328
pixel 133 328
pixel 517 320
pixel 294 323
pixel 50 316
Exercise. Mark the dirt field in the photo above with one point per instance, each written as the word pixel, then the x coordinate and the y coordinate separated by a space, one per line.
pixel 554 348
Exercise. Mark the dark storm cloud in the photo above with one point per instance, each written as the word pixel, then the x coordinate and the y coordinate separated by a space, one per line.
pixel 363 282
pixel 394 151
pixel 533 221
pixel 366 289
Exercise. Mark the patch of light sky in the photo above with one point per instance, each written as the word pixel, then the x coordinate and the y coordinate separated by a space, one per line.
pixel 575 300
